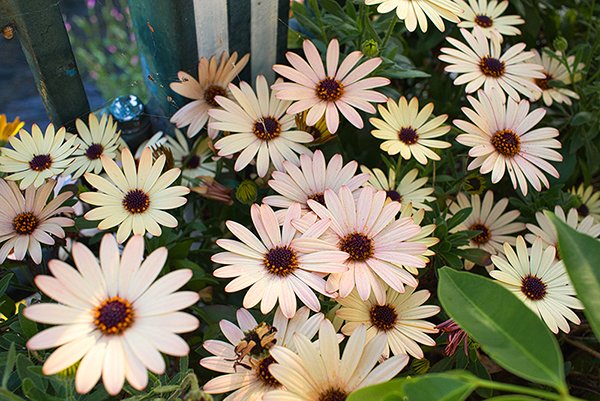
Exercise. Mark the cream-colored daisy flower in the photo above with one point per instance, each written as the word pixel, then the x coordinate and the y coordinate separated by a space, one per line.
pixel 487 15
pixel 423 237
pixel 547 232
pixel 311 179
pixel 134 198
pixel 555 71
pixel 327 90
pixel 495 223
pixel 112 317
pixel 245 360
pixel 280 266
pixel 409 189
pixel 501 139
pixel 195 161
pixel 35 157
pixel 590 201
pixel 377 244
pixel 414 12
pixel 213 80
pixel 399 318
pixel 481 62
pixel 259 128
pixel 410 132
pixel 28 220
pixel 540 281
pixel 316 372
pixel 95 139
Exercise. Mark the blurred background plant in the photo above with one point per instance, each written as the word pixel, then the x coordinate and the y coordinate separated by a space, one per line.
pixel 106 49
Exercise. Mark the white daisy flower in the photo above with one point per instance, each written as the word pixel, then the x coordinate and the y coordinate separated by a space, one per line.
pixel 501 139
pixel 35 157
pixel 487 15
pixel 317 373
pixel 590 201
pixel 547 232
pixel 213 78
pixel 281 265
pixel 112 316
pixel 399 318
pixel 408 190
pixel 540 281
pixel 377 244
pixel 195 161
pixel 311 179
pixel 134 198
pixel 93 140
pixel 423 237
pixel 410 132
pixel 327 90
pixel 495 223
pixel 419 11
pixel 554 70
pixel 260 129
pixel 481 62
pixel 245 360
pixel 28 220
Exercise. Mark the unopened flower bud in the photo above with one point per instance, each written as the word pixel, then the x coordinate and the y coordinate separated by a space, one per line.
pixel 560 44
pixel 370 48
pixel 246 192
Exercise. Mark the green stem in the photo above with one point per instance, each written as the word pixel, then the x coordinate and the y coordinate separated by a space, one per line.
pixel 511 388
pixel 389 32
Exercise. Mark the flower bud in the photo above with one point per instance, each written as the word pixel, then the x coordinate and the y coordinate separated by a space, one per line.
pixel 560 44
pixel 370 48
pixel 246 192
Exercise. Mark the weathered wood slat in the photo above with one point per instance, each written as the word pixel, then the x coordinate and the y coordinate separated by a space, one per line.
pixel 165 31
pixel 212 34
pixel 40 29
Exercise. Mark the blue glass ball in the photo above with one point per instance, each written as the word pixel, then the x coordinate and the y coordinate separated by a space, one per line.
pixel 126 108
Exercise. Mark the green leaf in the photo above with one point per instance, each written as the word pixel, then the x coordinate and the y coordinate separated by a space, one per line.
pixel 513 397
pixel 391 390
pixel 581 255
pixel 28 327
pixel 459 217
pixel 4 283
pixel 6 395
pixel 10 363
pixel 505 328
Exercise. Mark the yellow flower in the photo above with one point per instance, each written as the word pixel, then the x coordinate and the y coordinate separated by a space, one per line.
pixel 9 129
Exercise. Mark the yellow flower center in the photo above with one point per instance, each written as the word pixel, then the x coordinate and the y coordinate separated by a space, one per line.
pixel 506 142
pixel 329 89
pixel 267 128
pixel 25 223
pixel 213 91
pixel 113 316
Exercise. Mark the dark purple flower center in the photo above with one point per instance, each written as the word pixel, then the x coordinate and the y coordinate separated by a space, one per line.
pixel 544 83
pixel 408 135
pixel 40 162
pixel 281 261
pixel 533 288
pixel 213 91
pixel 583 210
pixel 25 223
pixel 484 21
pixel 329 89
pixel 333 394
pixel 94 151
pixel 358 246
pixel 320 197
pixel 263 374
pixel 506 142
pixel 190 162
pixel 136 201
pixel 267 128
pixel 383 317
pixel 483 237
pixel 113 316
pixel 394 195
pixel 492 67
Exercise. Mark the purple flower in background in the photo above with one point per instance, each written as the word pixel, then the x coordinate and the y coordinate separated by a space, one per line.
pixel 91 3
pixel 456 336
pixel 93 75
pixel 117 14
pixel 134 60
pixel 112 49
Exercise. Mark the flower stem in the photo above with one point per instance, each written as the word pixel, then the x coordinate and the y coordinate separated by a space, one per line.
pixel 389 32
pixel 511 388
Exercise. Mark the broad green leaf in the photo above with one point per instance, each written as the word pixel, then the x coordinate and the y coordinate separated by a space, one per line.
pixel 4 283
pixel 459 217
pixel 504 327
pixel 6 395
pixel 28 327
pixel 439 387
pixel 10 364
pixel 513 397
pixel 581 254
pixel 390 391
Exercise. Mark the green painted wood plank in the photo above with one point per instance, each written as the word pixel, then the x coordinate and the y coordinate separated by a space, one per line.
pixel 282 29
pixel 39 27
pixel 238 16
pixel 167 43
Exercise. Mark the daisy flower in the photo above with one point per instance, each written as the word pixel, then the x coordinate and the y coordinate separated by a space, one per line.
pixel 399 318
pixel 500 140
pixel 28 220
pixel 319 131
pixel 317 373
pixel 35 157
pixel 213 78
pixel 193 162
pixel 407 131
pixel 423 237
pixel 481 63
pixel 494 222
pixel 259 128
pixel 408 190
pixel 554 70
pixel 418 11
pixel 134 198
pixel 281 264
pixel 245 360
pixel 590 201
pixel 311 179
pixel 111 316
pixel 487 15
pixel 366 228
pixel 9 129
pixel 547 232
pixel 540 281
pixel 326 91
pixel 93 140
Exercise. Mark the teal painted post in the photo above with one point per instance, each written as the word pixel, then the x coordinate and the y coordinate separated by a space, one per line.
pixel 167 44
pixel 39 26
